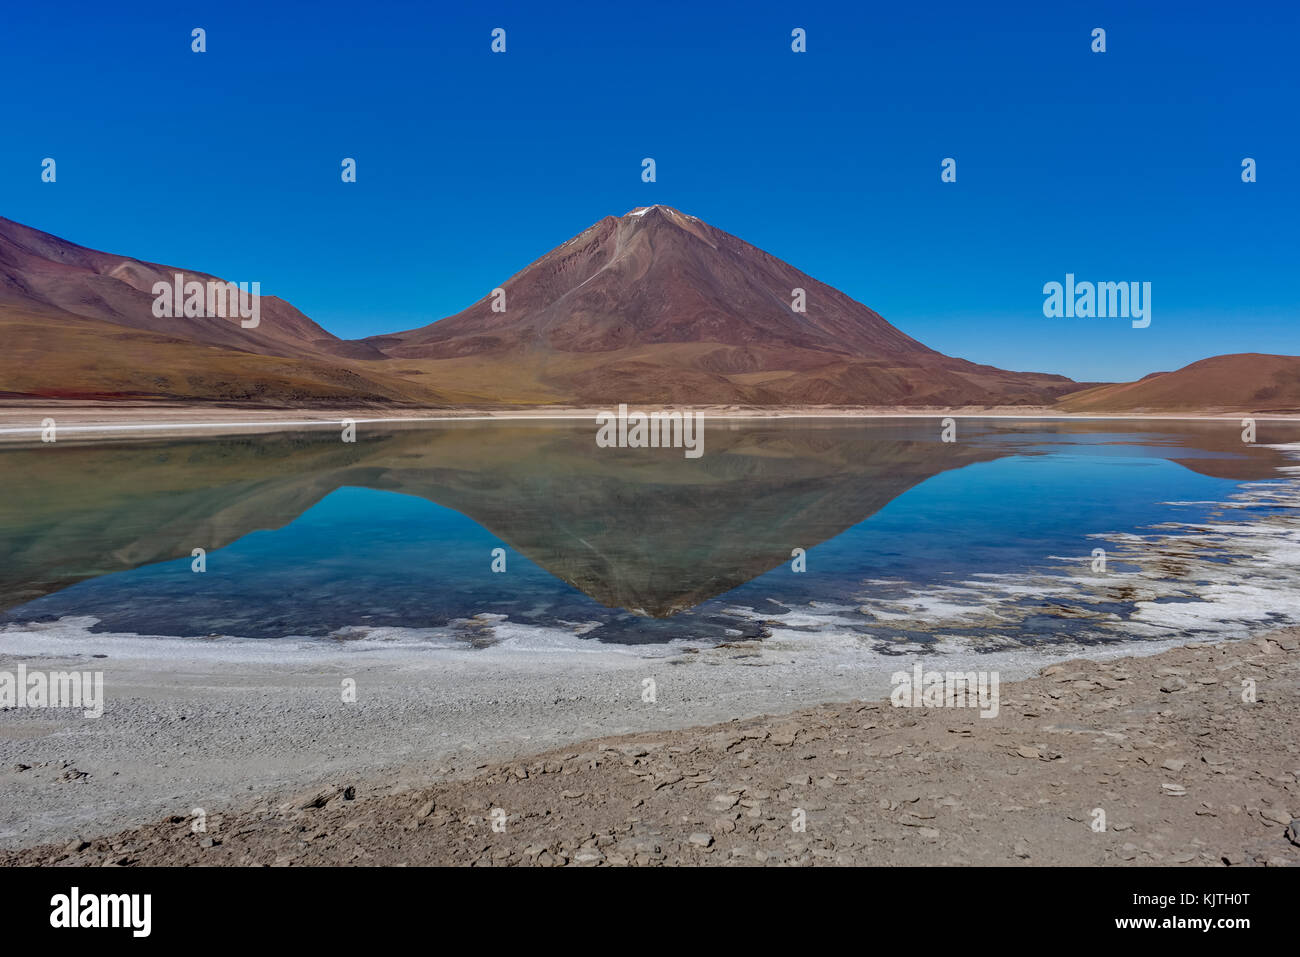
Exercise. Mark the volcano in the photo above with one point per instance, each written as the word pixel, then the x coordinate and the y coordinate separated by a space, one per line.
pixel 659 306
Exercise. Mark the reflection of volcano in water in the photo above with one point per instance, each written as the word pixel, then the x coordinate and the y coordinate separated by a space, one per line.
pixel 646 530
pixel 639 529
pixel 657 534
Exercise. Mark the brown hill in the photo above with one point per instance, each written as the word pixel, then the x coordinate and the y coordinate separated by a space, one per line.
pixel 78 323
pixel 42 273
pixel 1243 382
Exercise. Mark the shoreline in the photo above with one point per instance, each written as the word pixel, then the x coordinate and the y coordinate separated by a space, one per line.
pixel 193 722
pixel 20 421
pixel 587 773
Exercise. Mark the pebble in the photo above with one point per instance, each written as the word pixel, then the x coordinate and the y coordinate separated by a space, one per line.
pixel 1276 815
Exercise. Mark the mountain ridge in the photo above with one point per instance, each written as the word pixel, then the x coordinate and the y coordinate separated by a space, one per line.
pixel 653 307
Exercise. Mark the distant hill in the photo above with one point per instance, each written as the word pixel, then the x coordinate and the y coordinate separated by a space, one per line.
pixel 1243 382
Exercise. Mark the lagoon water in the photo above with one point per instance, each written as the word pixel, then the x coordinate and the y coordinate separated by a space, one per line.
pixel 989 541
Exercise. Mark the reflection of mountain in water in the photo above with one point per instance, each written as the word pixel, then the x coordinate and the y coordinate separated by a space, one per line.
pixel 646 530
pixel 657 534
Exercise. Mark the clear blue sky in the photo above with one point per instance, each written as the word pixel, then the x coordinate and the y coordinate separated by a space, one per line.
pixel 1115 166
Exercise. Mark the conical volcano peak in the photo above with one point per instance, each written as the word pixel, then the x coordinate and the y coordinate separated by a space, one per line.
pixel 658 305
pixel 661 210
pixel 653 218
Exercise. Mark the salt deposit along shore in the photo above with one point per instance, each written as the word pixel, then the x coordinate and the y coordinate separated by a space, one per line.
pixel 537 753
pixel 21 420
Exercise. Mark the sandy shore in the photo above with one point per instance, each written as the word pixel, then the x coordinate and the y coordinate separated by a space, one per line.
pixel 1184 769
pixel 21 420
pixel 191 723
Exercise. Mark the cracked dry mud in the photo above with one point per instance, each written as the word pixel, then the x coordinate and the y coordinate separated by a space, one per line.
pixel 1185 771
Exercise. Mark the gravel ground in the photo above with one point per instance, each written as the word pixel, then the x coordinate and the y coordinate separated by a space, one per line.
pixel 212 724
pixel 1107 760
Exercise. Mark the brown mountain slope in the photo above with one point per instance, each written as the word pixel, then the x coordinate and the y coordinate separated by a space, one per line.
pixel 42 273
pixel 1243 382
pixel 659 306
pixel 59 356
pixel 77 323
pixel 658 276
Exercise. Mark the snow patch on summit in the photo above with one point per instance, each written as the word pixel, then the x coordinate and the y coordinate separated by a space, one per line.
pixel 666 210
